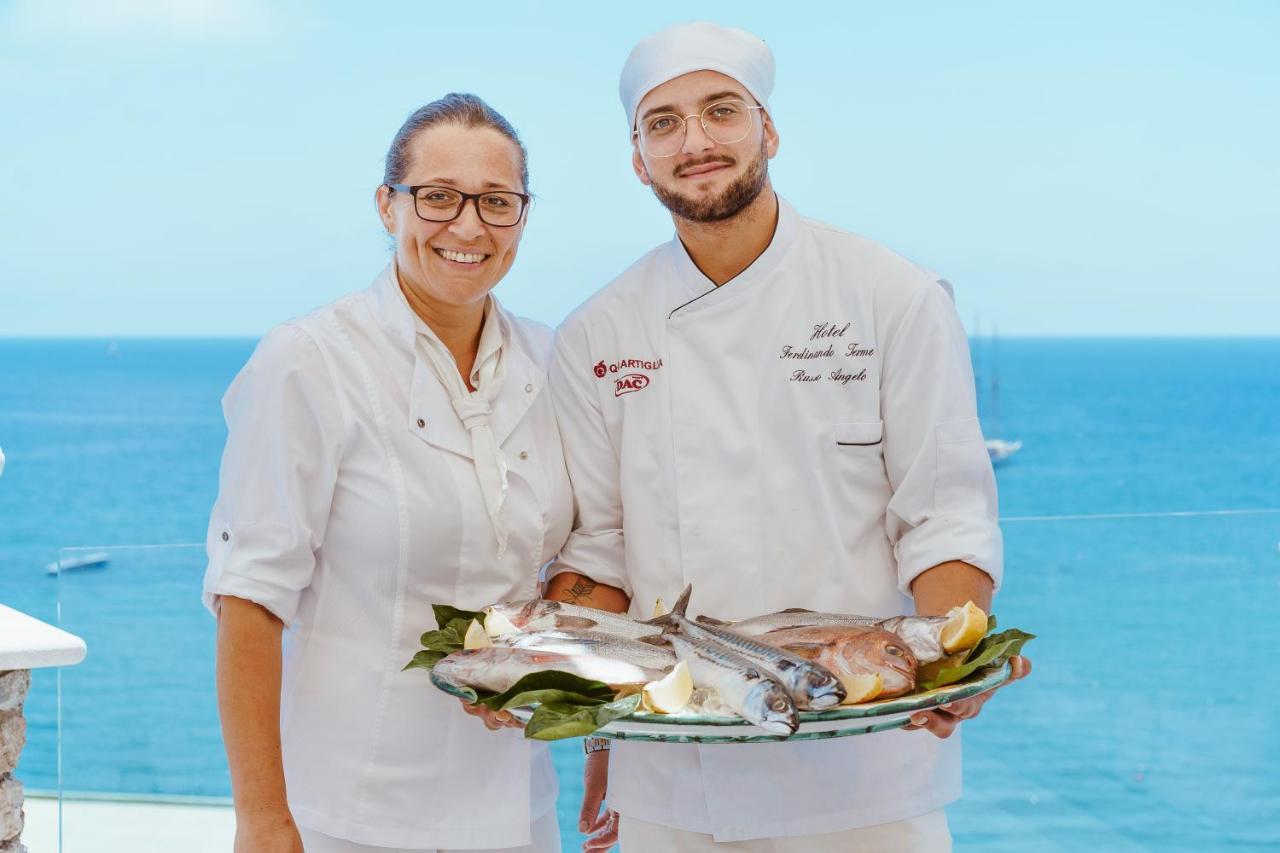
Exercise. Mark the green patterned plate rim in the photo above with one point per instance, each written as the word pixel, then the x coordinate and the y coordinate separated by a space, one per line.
pixel 866 718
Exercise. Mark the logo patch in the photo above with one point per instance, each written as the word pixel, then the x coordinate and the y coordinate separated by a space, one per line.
pixel 600 370
pixel 629 383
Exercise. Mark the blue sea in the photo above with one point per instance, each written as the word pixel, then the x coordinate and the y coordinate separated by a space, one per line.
pixel 1134 549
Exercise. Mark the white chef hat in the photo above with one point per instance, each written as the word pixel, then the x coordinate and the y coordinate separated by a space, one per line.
pixel 698 46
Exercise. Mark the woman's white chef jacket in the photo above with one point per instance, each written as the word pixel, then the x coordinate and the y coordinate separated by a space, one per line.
pixel 348 504
pixel 803 436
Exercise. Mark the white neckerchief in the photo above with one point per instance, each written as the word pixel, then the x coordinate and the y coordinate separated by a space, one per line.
pixel 474 407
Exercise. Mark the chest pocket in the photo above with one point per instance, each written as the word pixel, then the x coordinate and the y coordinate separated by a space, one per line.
pixel 859 434
pixel 856 450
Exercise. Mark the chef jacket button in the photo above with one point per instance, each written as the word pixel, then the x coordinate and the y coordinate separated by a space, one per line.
pixel 422 424
pixel 226 537
pixel 529 388
pixel 524 454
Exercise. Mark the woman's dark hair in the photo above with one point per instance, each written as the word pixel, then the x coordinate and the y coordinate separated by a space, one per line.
pixel 454 108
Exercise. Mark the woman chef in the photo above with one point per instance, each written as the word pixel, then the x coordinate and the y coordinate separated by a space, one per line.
pixel 393 449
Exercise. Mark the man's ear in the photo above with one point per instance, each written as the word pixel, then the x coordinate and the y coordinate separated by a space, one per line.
pixel 637 164
pixel 771 139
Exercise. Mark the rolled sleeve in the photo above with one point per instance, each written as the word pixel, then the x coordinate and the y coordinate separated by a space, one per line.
pixel 944 504
pixel 279 467
pixel 595 547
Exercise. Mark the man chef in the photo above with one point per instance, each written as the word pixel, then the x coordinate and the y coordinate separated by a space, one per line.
pixel 782 414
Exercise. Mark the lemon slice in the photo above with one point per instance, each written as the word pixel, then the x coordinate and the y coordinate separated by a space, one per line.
pixel 476 638
pixel 497 625
pixel 862 687
pixel 670 693
pixel 964 628
pixel 659 608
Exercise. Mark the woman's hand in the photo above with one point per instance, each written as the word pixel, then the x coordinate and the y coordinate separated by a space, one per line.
pixel 600 827
pixel 493 720
pixel 273 832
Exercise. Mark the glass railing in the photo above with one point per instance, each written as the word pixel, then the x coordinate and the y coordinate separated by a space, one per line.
pixel 139 725
pixel 1149 723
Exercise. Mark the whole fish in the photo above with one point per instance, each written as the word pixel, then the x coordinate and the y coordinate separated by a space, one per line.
pixel 541 614
pixel 755 696
pixel 497 668
pixel 810 685
pixel 595 643
pixel 921 633
pixel 851 651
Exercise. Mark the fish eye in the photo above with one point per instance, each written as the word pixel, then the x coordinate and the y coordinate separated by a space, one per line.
pixel 779 705
pixel 894 650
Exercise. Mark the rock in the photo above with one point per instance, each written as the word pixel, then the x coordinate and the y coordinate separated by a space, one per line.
pixel 13 737
pixel 11 818
pixel 14 685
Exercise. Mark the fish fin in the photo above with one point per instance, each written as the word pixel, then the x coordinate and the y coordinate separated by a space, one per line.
pixel 707 620
pixel 581 623
pixel 796 610
pixel 808 651
pixel 545 657
pixel 656 639
pixel 682 603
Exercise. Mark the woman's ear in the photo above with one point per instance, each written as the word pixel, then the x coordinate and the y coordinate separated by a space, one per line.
pixel 382 197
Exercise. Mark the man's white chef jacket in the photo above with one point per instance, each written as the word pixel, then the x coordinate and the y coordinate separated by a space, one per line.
pixel 348 505
pixel 803 436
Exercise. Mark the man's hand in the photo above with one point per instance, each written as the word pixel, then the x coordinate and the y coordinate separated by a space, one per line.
pixel 942 721
pixel 600 827
pixel 267 832
pixel 493 720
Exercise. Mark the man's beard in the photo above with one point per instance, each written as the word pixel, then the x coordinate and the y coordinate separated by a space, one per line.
pixel 736 197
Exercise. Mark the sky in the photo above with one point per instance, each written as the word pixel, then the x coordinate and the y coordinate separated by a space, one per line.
pixel 207 168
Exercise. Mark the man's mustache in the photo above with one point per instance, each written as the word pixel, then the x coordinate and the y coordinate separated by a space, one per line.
pixel 684 167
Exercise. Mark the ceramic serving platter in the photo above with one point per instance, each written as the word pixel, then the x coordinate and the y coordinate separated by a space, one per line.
pixel 845 721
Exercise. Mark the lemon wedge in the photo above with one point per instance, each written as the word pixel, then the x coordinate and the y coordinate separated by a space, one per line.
pixel 497 625
pixel 862 687
pixel 670 693
pixel 964 628
pixel 659 608
pixel 476 638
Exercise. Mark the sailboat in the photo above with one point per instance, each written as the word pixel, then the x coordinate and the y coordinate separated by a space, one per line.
pixel 999 448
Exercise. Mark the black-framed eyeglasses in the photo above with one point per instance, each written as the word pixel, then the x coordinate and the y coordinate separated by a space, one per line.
pixel 444 204
pixel 726 122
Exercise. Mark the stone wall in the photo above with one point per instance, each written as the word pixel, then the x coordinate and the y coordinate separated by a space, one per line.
pixel 13 737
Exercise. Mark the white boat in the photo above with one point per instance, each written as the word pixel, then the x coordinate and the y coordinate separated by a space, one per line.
pixel 94 560
pixel 999 449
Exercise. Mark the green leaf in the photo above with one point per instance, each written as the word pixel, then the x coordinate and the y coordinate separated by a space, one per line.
pixel 559 686
pixel 555 721
pixel 929 671
pixel 446 639
pixel 449 638
pixel 994 650
pixel 446 614
pixel 425 659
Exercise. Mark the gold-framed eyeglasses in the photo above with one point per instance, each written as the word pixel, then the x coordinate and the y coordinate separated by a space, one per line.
pixel 444 204
pixel 725 122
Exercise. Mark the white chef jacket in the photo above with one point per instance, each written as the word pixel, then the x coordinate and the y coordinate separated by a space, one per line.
pixel 805 435
pixel 348 504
